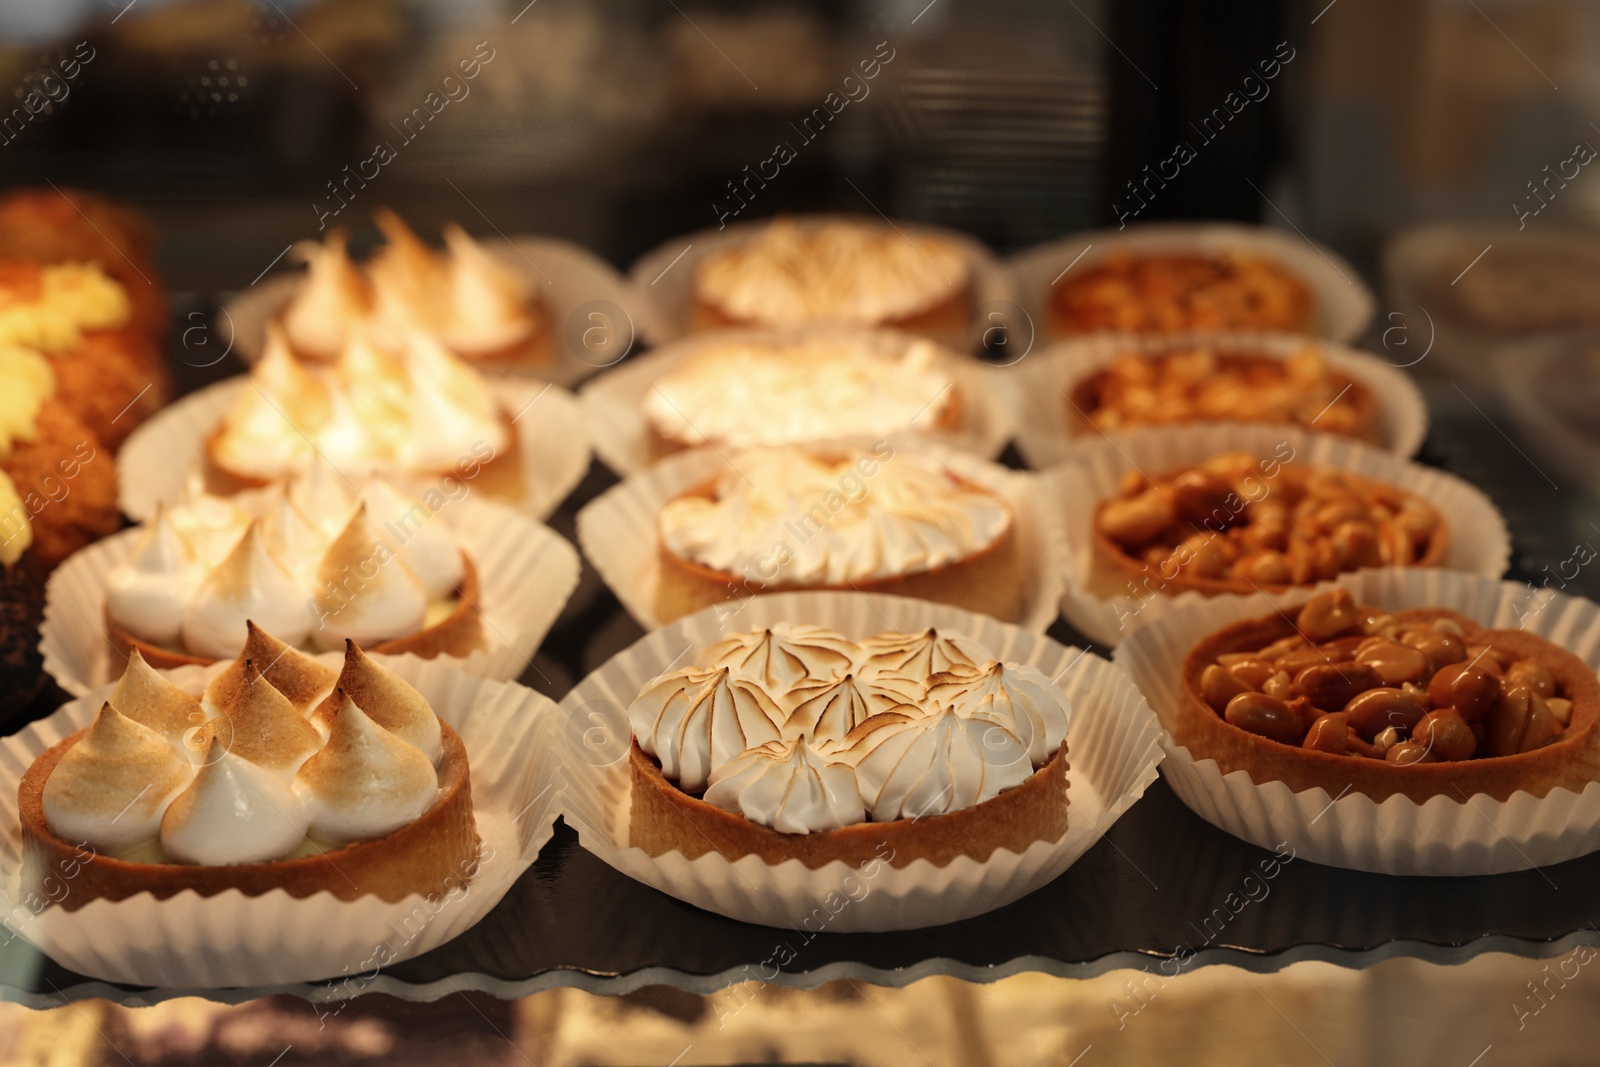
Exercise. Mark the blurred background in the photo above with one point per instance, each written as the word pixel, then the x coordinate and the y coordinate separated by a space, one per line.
pixel 1441 145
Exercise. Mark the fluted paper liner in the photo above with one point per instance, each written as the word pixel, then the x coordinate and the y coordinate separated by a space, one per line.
pixel 526 574
pixel 1445 835
pixel 564 276
pixel 612 402
pixel 548 422
pixel 1113 749
pixel 1344 304
pixel 196 942
pixel 620 537
pixel 1097 600
pixel 1047 376
pixel 664 276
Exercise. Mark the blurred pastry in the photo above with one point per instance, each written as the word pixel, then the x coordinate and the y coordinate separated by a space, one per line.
pixel 1129 292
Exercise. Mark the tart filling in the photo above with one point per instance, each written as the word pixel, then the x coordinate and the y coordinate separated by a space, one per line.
pixel 1236 524
pixel 796 742
pixel 1201 383
pixel 1172 292
pixel 309 561
pixel 269 772
pixel 1417 702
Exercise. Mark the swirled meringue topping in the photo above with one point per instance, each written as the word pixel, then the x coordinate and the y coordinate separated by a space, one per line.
pixel 789 516
pixel 861 273
pixel 786 785
pixel 311 561
pixel 110 789
pixel 398 406
pixel 263 782
pixel 801 729
pixel 747 393
pixel 333 301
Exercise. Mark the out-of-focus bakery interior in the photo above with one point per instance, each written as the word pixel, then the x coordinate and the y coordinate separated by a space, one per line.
pixel 1441 145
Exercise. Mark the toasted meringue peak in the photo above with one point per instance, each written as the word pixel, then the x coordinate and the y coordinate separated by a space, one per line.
pixel 934 764
pixel 490 306
pixel 323 495
pixel 782 655
pixel 248 584
pixel 333 298
pixel 390 701
pixel 365 782
pixel 1018 697
pixel 921 655
pixel 262 726
pixel 420 538
pixel 110 788
pixel 301 679
pixel 150 699
pixel 452 407
pixel 365 591
pixel 234 811
pixel 148 592
pixel 789 786
pixel 292 537
pixel 695 719
pixel 209 524
pixel 829 709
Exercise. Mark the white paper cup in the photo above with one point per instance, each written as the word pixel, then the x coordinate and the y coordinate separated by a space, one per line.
pixel 1097 601
pixel 619 534
pixel 195 942
pixel 613 402
pixel 1113 749
pixel 551 439
pixel 1045 434
pixel 526 574
pixel 571 282
pixel 665 276
pixel 1344 304
pixel 1445 835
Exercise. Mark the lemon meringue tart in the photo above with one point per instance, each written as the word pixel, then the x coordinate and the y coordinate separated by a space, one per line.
pixel 851 271
pixel 880 520
pixel 774 389
pixel 309 560
pixel 465 298
pixel 301 777
pixel 407 409
pixel 795 742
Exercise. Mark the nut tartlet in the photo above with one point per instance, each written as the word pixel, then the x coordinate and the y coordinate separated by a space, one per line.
pixel 465 299
pixel 795 742
pixel 777 389
pixel 1174 292
pixel 1192 384
pixel 855 272
pixel 301 777
pixel 310 561
pixel 1236 524
pixel 796 518
pixel 1416 703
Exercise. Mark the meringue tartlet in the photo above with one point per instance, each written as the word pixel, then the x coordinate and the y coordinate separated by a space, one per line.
pixel 298 776
pixel 795 742
pixel 310 561
pixel 409 411
pixel 879 521
pixel 1168 292
pixel 776 389
pixel 464 298
pixel 855 272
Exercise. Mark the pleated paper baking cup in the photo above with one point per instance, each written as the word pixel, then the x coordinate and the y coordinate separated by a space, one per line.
pixel 1344 304
pixel 613 402
pixel 1113 748
pixel 551 440
pixel 196 942
pixel 1098 600
pixel 592 312
pixel 1046 435
pixel 665 276
pixel 526 574
pixel 1446 835
pixel 619 534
